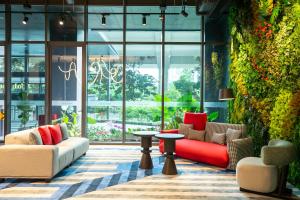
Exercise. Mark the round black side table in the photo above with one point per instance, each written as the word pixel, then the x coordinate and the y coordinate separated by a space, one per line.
pixel 169 147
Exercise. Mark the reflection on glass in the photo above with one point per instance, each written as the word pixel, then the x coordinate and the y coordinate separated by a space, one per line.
pixel 1 92
pixel 72 28
pixel 143 83
pixel 180 28
pixel 182 82
pixel 66 74
pixel 2 23
pixel 216 74
pixel 104 93
pixel 143 30
pixel 27 88
pixel 111 30
pixel 34 30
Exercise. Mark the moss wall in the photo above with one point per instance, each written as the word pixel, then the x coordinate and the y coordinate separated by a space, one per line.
pixel 265 71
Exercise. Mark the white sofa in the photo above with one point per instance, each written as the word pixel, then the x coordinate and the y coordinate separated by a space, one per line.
pixel 21 157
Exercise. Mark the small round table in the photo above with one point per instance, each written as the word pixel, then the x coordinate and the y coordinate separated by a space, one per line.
pixel 146 143
pixel 169 147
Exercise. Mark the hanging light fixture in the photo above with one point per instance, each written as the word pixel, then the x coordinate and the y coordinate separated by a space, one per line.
pixel 103 20
pixel 144 20
pixel 226 94
pixel 61 21
pixel 25 19
pixel 183 12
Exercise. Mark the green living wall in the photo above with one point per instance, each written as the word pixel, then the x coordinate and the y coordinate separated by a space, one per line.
pixel 265 71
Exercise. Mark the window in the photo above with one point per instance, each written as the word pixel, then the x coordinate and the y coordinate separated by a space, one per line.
pixel 2 23
pixel 27 86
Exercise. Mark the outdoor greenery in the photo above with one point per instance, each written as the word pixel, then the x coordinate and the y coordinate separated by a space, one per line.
pixel 24 109
pixel 265 71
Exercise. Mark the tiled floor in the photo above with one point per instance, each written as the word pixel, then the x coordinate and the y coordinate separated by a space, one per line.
pixel 111 172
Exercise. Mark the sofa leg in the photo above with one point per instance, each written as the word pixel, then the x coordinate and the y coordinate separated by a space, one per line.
pixel 2 180
pixel 47 180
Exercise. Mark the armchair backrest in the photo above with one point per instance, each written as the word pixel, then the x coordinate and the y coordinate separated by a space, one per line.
pixel 212 127
pixel 197 119
pixel 278 152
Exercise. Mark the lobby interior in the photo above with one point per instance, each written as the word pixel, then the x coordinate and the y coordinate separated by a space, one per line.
pixel 129 99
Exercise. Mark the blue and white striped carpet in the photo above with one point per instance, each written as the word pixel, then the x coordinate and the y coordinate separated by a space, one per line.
pixel 111 172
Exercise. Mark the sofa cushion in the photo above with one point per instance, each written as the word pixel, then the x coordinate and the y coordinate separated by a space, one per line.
pixel 197 119
pixel 210 153
pixel 212 127
pixel 184 129
pixel 45 135
pixel 64 131
pixel 218 138
pixel 21 137
pixel 79 145
pixel 196 135
pixel 35 135
pixel 65 156
pixel 232 134
pixel 55 133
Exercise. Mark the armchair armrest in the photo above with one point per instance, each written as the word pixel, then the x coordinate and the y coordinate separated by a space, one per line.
pixel 28 161
pixel 170 131
pixel 238 149
pixel 278 155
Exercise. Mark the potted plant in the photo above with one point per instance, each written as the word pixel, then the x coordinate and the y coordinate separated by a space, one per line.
pixel 24 108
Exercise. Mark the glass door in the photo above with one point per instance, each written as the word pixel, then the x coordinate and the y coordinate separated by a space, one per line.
pixel 66 87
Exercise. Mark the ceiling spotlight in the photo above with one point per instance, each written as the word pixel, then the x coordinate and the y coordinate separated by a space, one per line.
pixel 25 20
pixel 161 16
pixel 61 21
pixel 26 5
pixel 103 20
pixel 144 20
pixel 183 12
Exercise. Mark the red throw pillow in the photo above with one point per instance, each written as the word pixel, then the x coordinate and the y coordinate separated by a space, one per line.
pixel 55 133
pixel 45 135
pixel 197 119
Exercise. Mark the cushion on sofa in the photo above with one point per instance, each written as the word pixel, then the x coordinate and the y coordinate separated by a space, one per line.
pixel 218 138
pixel 21 137
pixel 212 127
pixel 196 135
pixel 45 135
pixel 232 134
pixel 36 137
pixel 197 119
pixel 205 152
pixel 79 145
pixel 64 131
pixel 55 133
pixel 184 129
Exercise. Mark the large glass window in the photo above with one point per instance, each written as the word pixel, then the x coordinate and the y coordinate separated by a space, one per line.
pixel 142 26
pixel 66 23
pixel 182 82
pixel 105 24
pixel 105 85
pixel 180 28
pixel 27 25
pixel 66 79
pixel 27 85
pixel 1 92
pixel 143 88
pixel 2 23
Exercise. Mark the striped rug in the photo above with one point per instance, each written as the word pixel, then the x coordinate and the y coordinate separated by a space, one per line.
pixel 111 172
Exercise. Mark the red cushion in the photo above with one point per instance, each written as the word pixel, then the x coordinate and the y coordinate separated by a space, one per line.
pixel 55 133
pixel 197 119
pixel 199 151
pixel 45 135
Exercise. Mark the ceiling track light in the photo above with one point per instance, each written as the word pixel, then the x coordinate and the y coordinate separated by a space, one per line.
pixel 61 20
pixel 144 19
pixel 25 19
pixel 183 12
pixel 103 20
pixel 26 5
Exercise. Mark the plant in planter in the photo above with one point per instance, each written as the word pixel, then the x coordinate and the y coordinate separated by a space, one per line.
pixel 25 109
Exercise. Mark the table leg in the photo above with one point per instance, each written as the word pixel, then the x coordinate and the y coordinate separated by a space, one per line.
pixel 169 166
pixel 146 161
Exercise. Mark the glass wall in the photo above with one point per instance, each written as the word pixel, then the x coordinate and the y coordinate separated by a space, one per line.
pixel 66 87
pixel 143 88
pixel 182 82
pixel 27 85
pixel 2 23
pixel 104 93
pixel 2 117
